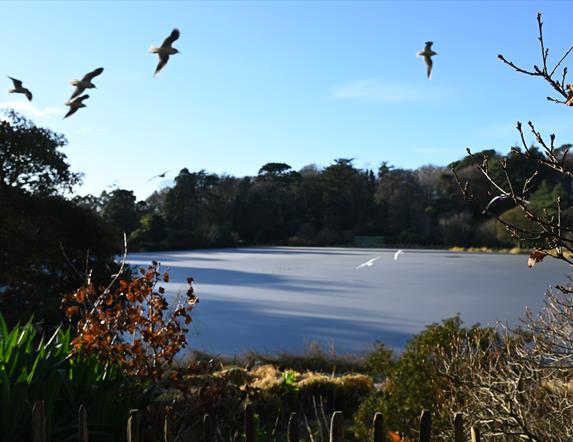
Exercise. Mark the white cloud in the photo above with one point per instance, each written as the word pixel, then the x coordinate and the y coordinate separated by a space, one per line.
pixel 374 90
pixel 29 109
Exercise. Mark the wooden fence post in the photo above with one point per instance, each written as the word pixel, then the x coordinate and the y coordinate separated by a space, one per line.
pixel 425 426
pixel 378 424
pixel 39 422
pixel 167 429
pixel 292 432
pixel 475 434
pixel 249 423
pixel 458 427
pixel 208 434
pixel 337 427
pixel 83 424
pixel 133 426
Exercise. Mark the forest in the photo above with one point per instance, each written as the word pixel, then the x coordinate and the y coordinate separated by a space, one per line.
pixel 339 204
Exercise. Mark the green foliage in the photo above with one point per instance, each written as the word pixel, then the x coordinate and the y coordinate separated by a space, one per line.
pixel 43 253
pixel 380 361
pixel 45 239
pixel 34 368
pixel 289 383
pixel 30 159
pixel 411 383
pixel 120 210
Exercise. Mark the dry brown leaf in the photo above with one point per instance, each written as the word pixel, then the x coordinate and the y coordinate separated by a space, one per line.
pixel 535 257
pixel 569 101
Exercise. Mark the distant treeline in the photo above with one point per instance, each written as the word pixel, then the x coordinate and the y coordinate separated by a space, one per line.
pixel 335 205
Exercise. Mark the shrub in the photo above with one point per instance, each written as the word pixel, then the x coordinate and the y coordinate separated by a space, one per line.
pixel 412 383
pixel 34 368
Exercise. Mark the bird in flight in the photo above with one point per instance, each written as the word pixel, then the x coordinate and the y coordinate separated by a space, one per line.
pixel 427 53
pixel 503 196
pixel 161 175
pixel 19 89
pixel 165 50
pixel 398 253
pixel 85 82
pixel 368 263
pixel 75 104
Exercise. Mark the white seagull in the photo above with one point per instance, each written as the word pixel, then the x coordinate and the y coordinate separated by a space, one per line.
pixel 161 175
pixel 398 253
pixel 165 50
pixel 85 82
pixel 19 89
pixel 75 104
pixel 368 263
pixel 503 196
pixel 427 53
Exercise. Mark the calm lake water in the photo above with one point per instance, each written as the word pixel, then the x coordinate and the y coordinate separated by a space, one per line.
pixel 273 299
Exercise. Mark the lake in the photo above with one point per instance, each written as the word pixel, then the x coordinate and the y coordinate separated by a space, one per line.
pixel 274 299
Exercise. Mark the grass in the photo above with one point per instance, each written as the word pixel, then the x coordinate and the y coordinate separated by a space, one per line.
pixel 513 251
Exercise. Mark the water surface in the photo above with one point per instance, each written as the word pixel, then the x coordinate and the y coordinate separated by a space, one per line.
pixel 274 299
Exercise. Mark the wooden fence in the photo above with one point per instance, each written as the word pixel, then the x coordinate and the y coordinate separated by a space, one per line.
pixel 336 433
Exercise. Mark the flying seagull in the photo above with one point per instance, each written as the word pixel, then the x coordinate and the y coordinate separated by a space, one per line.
pixel 161 175
pixel 165 50
pixel 503 196
pixel 85 82
pixel 75 104
pixel 19 89
pixel 368 263
pixel 398 253
pixel 427 53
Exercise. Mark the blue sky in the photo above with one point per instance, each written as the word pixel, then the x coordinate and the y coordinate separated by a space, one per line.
pixel 298 82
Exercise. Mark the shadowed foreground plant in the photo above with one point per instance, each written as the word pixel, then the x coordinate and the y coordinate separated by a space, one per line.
pixel 130 322
pixel 33 368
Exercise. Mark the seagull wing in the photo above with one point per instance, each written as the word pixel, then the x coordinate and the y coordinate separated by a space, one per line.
pixel 28 94
pixel 493 200
pixel 82 98
pixel 73 101
pixel 17 83
pixel 163 59
pixel 429 64
pixel 77 92
pixel 90 75
pixel 73 109
pixel 169 40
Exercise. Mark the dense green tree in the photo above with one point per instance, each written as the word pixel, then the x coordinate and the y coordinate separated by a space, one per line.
pixel 46 241
pixel 345 196
pixel 31 158
pixel 401 207
pixel 120 210
pixel 47 244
